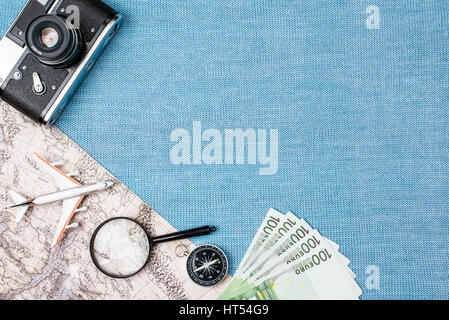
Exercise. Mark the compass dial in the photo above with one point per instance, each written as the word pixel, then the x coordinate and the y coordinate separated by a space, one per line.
pixel 207 265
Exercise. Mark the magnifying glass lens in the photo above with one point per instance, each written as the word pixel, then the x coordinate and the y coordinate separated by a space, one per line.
pixel 121 248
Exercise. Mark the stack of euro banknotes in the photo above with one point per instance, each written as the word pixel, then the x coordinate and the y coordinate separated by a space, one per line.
pixel 289 260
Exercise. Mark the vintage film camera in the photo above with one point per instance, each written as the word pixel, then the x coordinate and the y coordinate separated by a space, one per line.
pixel 48 51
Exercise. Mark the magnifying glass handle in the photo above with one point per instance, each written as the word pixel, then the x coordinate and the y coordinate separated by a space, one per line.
pixel 185 234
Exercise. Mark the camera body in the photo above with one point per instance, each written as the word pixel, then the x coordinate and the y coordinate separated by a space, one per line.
pixel 48 51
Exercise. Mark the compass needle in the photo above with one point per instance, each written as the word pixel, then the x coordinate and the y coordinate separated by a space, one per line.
pixel 207 265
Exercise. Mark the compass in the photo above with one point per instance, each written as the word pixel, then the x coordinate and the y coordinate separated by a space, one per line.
pixel 207 265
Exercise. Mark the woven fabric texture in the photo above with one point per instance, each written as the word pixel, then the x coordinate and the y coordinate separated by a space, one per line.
pixel 362 116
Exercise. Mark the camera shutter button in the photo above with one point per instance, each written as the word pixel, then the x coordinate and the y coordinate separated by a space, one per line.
pixel 38 86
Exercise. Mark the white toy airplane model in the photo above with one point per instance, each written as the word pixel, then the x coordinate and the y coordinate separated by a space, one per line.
pixel 71 195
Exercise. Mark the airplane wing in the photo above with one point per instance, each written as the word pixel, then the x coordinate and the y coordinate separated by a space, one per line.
pixel 69 206
pixel 61 179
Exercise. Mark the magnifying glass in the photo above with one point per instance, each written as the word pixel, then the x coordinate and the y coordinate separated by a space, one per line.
pixel 120 247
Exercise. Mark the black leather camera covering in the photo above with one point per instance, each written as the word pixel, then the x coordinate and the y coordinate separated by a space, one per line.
pixel 32 10
pixel 93 14
pixel 20 94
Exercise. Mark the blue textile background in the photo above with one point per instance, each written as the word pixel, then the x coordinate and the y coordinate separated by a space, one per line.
pixel 362 117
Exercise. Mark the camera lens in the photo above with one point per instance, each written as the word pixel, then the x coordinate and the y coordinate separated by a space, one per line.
pixel 53 41
pixel 49 37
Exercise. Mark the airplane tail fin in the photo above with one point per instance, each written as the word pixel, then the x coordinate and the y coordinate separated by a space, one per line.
pixel 20 211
